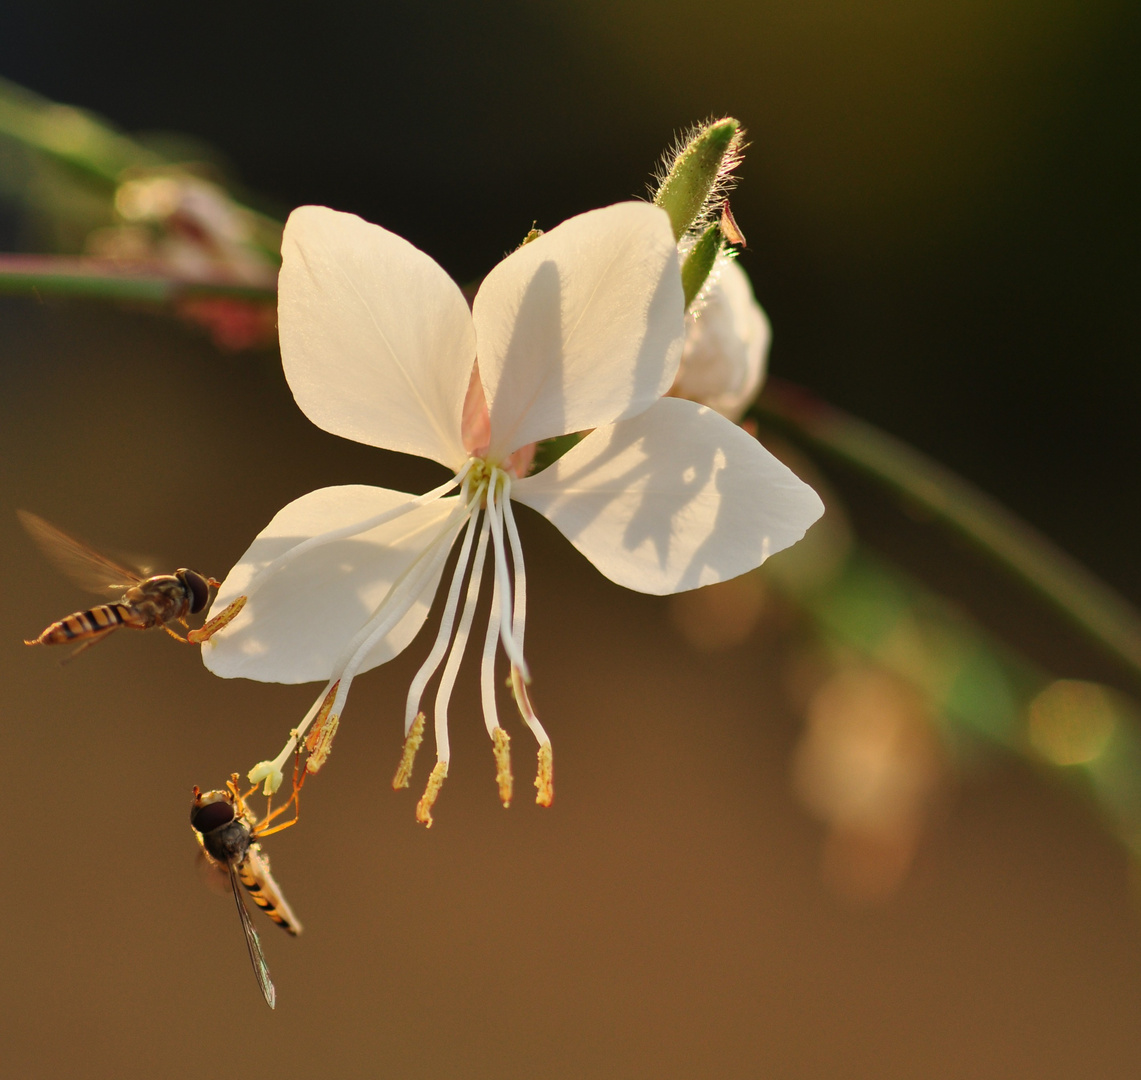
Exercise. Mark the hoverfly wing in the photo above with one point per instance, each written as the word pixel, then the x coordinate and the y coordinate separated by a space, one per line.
pixel 215 875
pixel 253 943
pixel 84 565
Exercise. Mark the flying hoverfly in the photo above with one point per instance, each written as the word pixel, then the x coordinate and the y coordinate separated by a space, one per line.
pixel 229 836
pixel 143 602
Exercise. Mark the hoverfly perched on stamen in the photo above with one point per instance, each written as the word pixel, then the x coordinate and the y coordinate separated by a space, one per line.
pixel 229 835
pixel 142 602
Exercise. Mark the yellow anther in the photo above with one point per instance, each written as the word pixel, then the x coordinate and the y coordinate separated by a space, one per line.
pixel 428 799
pixel 501 747
pixel 320 740
pixel 221 620
pixel 320 743
pixel 545 781
pixel 411 745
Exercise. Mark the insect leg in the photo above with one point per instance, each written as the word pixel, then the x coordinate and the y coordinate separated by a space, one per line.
pixel 294 799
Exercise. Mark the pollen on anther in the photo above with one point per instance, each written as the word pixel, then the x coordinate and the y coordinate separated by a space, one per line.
pixel 319 748
pixel 223 619
pixel 501 746
pixel 411 745
pixel 320 740
pixel 428 799
pixel 545 781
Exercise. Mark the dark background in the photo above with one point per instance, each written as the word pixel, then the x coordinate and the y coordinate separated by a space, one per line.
pixel 941 206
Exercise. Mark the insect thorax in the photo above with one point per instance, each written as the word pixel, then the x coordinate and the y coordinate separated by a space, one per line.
pixel 228 843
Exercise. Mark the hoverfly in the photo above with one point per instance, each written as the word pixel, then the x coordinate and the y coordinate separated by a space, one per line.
pixel 143 603
pixel 229 836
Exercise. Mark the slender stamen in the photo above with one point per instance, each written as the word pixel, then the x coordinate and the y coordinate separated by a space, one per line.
pixel 459 643
pixel 519 615
pixel 447 620
pixel 526 709
pixel 544 781
pixel 487 662
pixel 271 771
pixel 355 529
pixel 498 493
pixel 518 678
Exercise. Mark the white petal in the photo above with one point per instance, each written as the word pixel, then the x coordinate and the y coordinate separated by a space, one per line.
pixel 675 498
pixel 580 327
pixel 376 340
pixel 298 621
pixel 726 346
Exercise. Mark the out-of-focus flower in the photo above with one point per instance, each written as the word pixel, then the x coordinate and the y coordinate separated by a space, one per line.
pixel 188 226
pixel 726 346
pixel 181 225
pixel 578 329
pixel 869 765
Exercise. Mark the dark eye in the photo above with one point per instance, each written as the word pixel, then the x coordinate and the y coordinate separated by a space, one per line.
pixel 199 590
pixel 206 817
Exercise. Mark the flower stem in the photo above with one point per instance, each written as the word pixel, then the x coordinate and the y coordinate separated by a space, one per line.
pixel 1084 600
pixel 74 276
pixel 70 136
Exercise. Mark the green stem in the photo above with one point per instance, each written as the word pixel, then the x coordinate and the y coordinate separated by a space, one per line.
pixel 61 275
pixel 1050 573
pixel 98 153
pixel 70 135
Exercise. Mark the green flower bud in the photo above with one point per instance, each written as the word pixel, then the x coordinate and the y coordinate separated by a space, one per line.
pixel 694 182
pixel 699 262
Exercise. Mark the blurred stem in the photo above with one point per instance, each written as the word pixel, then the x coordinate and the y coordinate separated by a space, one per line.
pixel 972 682
pixel 1081 598
pixel 99 154
pixel 70 136
pixel 61 275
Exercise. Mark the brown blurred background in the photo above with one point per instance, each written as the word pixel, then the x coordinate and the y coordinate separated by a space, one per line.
pixel 940 201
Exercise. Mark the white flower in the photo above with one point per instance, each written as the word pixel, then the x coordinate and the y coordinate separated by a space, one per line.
pixel 726 346
pixel 580 329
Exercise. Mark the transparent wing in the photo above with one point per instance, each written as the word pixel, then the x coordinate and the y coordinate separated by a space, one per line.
pixel 253 944
pixel 213 874
pixel 85 566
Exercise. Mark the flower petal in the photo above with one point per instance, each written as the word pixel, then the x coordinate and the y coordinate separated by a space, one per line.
pixel 675 498
pixel 726 346
pixel 376 340
pixel 299 620
pixel 580 327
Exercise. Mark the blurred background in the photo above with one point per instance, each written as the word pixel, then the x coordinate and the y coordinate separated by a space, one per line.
pixel 768 854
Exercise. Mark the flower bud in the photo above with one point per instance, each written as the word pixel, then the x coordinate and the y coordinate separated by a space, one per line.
pixel 726 346
pixel 699 263
pixel 693 187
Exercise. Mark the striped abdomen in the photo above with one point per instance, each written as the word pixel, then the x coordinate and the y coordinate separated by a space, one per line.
pixel 87 624
pixel 253 872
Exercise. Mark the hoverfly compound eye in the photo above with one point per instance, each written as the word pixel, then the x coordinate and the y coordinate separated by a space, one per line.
pixel 199 590
pixel 211 811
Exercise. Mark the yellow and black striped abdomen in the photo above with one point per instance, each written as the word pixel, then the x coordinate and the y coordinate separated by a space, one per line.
pixel 253 872
pixel 86 624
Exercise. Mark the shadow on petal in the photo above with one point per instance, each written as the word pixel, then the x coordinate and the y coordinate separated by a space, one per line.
pixel 672 499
